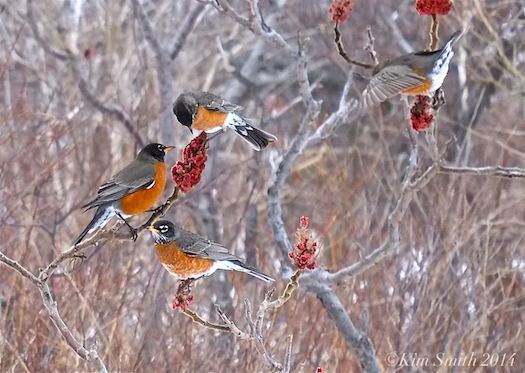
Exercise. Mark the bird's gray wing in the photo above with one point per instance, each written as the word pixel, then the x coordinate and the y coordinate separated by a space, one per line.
pixel 388 82
pixel 196 246
pixel 134 177
pixel 216 103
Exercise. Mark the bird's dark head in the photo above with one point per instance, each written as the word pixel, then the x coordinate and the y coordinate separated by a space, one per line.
pixel 185 108
pixel 164 231
pixel 154 152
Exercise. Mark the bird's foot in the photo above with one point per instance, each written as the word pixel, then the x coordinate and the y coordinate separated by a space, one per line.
pixel 157 210
pixel 438 99
pixel 134 233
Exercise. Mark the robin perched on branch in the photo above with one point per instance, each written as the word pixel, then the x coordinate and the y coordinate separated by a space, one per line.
pixel 186 255
pixel 133 190
pixel 419 73
pixel 207 112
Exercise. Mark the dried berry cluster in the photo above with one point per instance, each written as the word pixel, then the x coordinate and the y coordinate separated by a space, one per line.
pixel 306 249
pixel 420 113
pixel 188 172
pixel 341 9
pixel 429 7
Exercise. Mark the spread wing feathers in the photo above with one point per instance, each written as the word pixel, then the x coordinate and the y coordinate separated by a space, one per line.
pixel 216 103
pixel 194 245
pixel 136 176
pixel 389 82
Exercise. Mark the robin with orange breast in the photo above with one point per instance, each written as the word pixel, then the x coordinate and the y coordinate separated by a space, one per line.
pixel 133 190
pixel 419 73
pixel 188 256
pixel 210 113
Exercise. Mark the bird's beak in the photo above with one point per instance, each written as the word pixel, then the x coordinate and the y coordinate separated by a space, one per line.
pixel 168 148
pixel 153 229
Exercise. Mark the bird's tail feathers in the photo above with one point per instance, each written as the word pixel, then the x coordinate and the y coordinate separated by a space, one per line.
pixel 101 218
pixel 455 37
pixel 236 265
pixel 257 138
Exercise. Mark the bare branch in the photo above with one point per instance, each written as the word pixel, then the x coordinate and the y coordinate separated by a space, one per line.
pixel 52 308
pixel 54 315
pixel 150 35
pixel 288 357
pixel 268 305
pixel 370 46
pixel 230 12
pixel 190 20
pixel 342 52
pixel 257 333
pixel 199 320
pixel 19 268
pixel 233 328
pixel 434 38
pixel 359 342
pixel 497 171
pixel 105 107
pixel 58 53
pixel 394 219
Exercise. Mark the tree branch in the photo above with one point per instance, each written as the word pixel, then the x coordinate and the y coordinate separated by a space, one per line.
pixel 434 38
pixel 105 107
pixel 230 12
pixel 496 171
pixel 19 268
pixel 342 52
pixel 358 341
pixel 150 35
pixel 52 308
pixel 189 22
pixel 58 53
pixel 199 320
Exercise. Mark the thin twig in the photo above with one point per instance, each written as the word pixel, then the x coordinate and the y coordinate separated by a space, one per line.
pixel 103 106
pixel 199 320
pixel 58 53
pixel 370 46
pixel 233 328
pixel 227 9
pixel 288 357
pixel 394 220
pixel 189 22
pixel 19 268
pixel 497 171
pixel 434 38
pixel 342 52
pixel 150 35
pixel 52 308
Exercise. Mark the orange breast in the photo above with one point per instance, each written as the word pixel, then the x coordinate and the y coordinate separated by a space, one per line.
pixel 144 199
pixel 206 120
pixel 180 264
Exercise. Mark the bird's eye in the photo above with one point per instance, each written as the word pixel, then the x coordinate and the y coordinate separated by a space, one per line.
pixel 163 228
pixel 160 147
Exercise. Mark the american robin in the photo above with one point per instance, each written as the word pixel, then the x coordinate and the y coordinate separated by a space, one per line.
pixel 418 73
pixel 207 112
pixel 131 191
pixel 187 255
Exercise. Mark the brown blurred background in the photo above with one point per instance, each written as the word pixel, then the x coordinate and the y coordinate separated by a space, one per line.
pixel 456 285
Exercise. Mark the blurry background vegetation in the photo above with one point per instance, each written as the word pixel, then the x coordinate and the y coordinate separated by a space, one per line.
pixel 456 283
